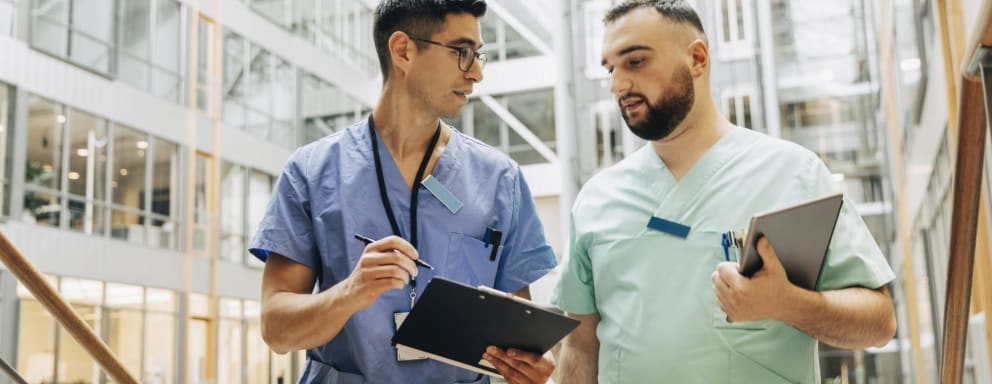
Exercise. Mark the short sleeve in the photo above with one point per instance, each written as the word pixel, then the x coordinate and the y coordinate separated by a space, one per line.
pixel 286 228
pixel 527 256
pixel 575 292
pixel 853 258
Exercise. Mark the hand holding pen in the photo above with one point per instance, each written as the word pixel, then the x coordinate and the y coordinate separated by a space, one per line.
pixel 384 265
pixel 367 240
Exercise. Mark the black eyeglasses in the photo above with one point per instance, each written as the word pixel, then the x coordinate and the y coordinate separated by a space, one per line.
pixel 466 56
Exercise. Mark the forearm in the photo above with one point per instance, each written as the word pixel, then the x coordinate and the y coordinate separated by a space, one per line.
pixel 578 363
pixel 851 318
pixel 293 321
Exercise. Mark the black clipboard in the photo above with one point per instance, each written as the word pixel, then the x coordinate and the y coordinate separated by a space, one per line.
pixel 454 323
pixel 800 233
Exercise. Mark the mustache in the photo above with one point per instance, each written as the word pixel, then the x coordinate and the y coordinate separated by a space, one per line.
pixel 623 99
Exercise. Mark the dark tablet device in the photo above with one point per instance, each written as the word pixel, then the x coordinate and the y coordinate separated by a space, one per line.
pixel 800 235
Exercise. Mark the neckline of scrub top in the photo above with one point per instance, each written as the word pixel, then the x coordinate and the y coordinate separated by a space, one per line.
pixel 446 167
pixel 700 171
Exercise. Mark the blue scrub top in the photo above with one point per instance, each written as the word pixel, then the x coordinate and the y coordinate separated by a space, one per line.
pixel 328 192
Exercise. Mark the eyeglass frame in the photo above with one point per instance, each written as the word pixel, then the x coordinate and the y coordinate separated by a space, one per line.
pixel 482 57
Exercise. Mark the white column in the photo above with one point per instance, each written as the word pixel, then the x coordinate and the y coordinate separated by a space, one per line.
pixel 565 115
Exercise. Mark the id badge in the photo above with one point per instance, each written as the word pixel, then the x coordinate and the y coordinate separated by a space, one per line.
pixel 403 354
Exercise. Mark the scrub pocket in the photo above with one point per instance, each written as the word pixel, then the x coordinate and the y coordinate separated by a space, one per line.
pixel 720 322
pixel 746 371
pixel 468 261
pixel 320 373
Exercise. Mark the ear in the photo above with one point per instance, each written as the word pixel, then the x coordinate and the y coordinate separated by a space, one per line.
pixel 699 53
pixel 401 51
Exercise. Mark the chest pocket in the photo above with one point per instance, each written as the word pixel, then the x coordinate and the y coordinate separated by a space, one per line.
pixel 469 261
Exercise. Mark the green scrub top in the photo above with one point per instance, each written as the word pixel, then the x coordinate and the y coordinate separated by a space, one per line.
pixel 659 317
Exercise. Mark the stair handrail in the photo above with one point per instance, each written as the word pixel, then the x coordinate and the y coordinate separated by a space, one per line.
pixel 35 282
pixel 973 126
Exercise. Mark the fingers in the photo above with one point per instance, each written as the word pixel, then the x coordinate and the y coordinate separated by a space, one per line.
pixel 729 275
pixel 376 259
pixel 386 272
pixel 520 366
pixel 768 255
pixel 392 243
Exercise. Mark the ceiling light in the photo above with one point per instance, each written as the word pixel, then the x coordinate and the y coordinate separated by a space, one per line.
pixel 82 152
pixel 47 168
pixel 123 171
pixel 60 119
pixel 73 175
pixel 141 144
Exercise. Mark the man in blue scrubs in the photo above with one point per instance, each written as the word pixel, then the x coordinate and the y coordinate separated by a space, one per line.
pixel 423 189
pixel 654 301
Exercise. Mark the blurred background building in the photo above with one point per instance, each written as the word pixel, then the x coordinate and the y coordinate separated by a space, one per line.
pixel 140 141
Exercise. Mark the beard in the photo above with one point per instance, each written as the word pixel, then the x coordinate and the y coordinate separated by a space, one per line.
pixel 662 118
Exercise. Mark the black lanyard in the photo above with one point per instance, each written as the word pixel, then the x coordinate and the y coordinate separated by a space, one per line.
pixel 416 183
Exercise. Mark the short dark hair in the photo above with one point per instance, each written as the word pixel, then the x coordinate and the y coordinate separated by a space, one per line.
pixel 421 18
pixel 678 11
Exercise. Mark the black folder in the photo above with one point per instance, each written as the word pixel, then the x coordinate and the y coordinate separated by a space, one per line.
pixel 800 234
pixel 454 323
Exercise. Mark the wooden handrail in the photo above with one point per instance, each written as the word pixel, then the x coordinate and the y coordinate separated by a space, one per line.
pixel 28 275
pixel 967 193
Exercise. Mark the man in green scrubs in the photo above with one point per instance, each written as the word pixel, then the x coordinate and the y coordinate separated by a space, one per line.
pixel 654 301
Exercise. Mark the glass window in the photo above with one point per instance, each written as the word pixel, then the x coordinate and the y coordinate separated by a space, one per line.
pixel 196 337
pixel 912 60
pixel 537 111
pixel 44 164
pixel 128 184
pixel 165 183
pixel 486 126
pixel 93 32
pixel 277 11
pixel 284 104
pixel 160 336
pixel 134 42
pixel 235 79
pixel 503 42
pixel 325 109
pixel 230 342
pixel 124 309
pixel 259 95
pixel 232 204
pixel 87 172
pixel 50 26
pixel 87 155
pixel 74 364
pixel 6 142
pixel 515 45
pixel 166 72
pixel 205 38
pixel 35 342
pixel 160 300
pixel 732 28
pixel 201 214
pixel 149 46
pixel 256 354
